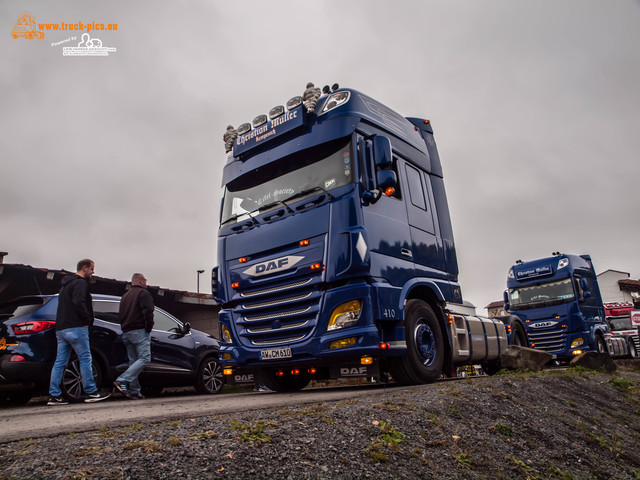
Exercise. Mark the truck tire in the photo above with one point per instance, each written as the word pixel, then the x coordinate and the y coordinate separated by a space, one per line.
pixel 425 346
pixel 518 335
pixel 601 346
pixel 286 383
pixel 633 352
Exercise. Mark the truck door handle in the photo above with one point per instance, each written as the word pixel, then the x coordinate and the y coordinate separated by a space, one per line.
pixel 406 253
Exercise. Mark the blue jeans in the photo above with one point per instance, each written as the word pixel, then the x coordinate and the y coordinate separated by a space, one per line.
pixel 138 343
pixel 76 339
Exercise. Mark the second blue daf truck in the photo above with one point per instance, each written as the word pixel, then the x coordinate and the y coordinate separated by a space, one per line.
pixel 556 306
pixel 336 252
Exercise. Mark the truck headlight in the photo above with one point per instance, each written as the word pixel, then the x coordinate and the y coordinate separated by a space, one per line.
pixel 225 334
pixel 345 315
pixel 577 342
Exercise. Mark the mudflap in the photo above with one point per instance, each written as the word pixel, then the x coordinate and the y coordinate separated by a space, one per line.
pixel 355 370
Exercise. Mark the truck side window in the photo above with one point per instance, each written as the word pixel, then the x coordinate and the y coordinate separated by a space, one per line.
pixel 415 187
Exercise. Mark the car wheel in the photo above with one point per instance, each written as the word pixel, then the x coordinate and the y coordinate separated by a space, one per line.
pixel 425 346
pixel 71 386
pixel 209 379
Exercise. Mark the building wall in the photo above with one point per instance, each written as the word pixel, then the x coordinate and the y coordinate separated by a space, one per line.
pixel 609 288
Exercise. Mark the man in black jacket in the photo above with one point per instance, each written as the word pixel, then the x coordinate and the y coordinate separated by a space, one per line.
pixel 73 320
pixel 136 317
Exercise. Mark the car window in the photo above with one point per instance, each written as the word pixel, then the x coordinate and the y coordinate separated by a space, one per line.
pixel 22 307
pixel 163 322
pixel 106 310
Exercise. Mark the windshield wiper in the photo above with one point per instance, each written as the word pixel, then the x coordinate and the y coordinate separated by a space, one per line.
pixel 306 192
pixel 273 204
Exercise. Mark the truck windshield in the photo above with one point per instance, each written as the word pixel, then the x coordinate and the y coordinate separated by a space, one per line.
pixel 620 324
pixel 543 295
pixel 322 168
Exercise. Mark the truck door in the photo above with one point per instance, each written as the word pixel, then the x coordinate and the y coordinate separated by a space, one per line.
pixel 388 236
pixel 426 247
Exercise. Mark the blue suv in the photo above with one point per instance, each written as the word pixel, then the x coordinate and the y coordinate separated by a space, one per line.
pixel 180 356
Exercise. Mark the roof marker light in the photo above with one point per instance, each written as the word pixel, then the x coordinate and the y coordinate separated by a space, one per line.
pixel 244 128
pixel 276 112
pixel 259 120
pixel 294 102
pixel 335 100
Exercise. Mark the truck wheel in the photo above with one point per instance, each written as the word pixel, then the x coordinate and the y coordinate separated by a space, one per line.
pixel 491 368
pixel 601 346
pixel 425 347
pixel 285 383
pixel 209 379
pixel 71 384
pixel 633 352
pixel 518 335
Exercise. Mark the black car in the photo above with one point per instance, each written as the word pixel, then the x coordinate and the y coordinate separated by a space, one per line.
pixel 180 356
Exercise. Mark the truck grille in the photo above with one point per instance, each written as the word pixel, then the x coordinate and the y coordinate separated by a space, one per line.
pixel 275 315
pixel 549 340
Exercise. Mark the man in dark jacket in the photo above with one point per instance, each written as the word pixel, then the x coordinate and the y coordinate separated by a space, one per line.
pixel 73 320
pixel 136 317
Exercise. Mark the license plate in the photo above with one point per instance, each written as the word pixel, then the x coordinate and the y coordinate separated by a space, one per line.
pixel 275 353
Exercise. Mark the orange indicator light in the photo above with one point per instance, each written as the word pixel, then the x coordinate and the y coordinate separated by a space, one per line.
pixel 316 266
pixel 312 371
pixel 242 259
pixel 390 192
pixel 295 371
pixel 304 243
pixel 235 285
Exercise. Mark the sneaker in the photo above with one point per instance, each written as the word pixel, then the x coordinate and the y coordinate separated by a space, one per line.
pixel 122 388
pixel 96 397
pixel 57 401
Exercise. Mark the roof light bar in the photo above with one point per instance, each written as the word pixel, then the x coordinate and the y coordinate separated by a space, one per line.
pixel 275 112
pixel 244 128
pixel 259 120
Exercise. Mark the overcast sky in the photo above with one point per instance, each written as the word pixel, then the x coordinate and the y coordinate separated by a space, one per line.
pixel 535 108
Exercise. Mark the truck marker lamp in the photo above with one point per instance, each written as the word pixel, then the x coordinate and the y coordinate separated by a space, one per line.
pixel 507 328
pixel 227 371
pixel 226 356
pixel 235 285
pixel 557 317
pixel 312 371
pixel 345 315
pixel 295 372
pixel 242 259
pixel 275 112
pixel 294 102
pixel 345 342
pixel 335 100
pixel 390 192
pixel 259 120
pixel 577 352
pixel 384 346
pixel 563 326
pixel 316 266
pixel 366 361
pixel 450 317
pixel 427 122
pixel 563 263
pixel 225 334
pixel 244 128
pixel 577 342
pixel 17 358
pixel 279 373
pixel 304 243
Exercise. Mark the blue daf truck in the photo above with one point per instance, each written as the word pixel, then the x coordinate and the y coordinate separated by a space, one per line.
pixel 336 256
pixel 556 306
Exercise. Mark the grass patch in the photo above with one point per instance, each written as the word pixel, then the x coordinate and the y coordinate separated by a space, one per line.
pixel 621 384
pixel 464 459
pixel 174 423
pixel 146 445
pixel 209 434
pixel 174 440
pixel 503 429
pixel 253 433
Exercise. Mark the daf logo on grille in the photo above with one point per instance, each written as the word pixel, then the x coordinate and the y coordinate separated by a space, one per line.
pixel 272 266
pixel 543 324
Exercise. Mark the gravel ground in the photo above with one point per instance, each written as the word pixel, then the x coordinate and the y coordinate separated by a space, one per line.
pixel 569 424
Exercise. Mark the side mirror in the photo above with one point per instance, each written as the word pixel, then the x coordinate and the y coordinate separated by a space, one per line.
pixel 386 179
pixel 382 156
pixel 186 328
pixel 505 298
pixel 584 286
